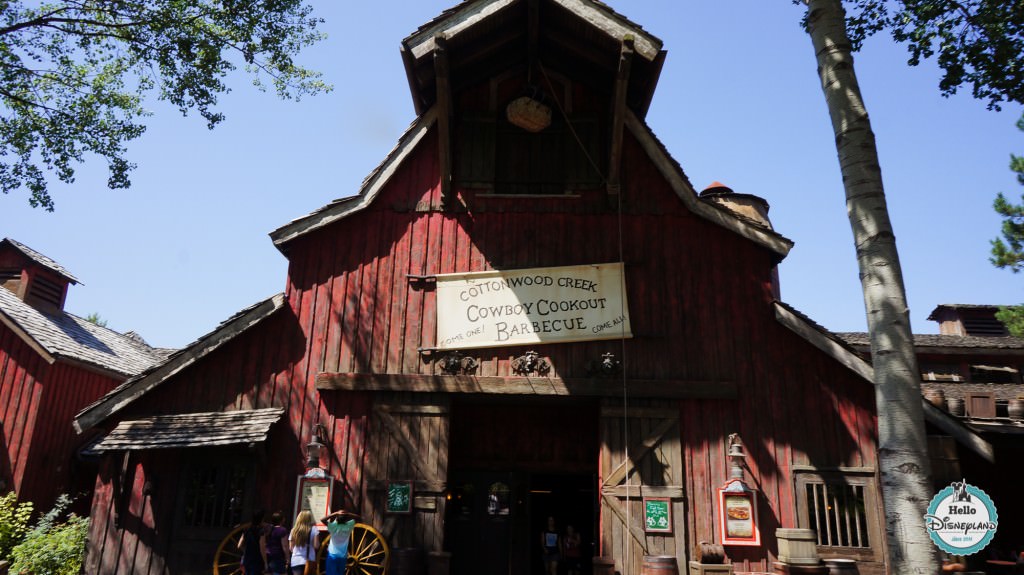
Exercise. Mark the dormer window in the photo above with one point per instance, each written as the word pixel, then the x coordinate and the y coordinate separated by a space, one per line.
pixel 34 278
pixel 46 292
pixel 984 326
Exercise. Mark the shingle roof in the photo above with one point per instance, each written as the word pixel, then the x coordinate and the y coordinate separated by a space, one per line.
pixel 64 335
pixel 933 316
pixel 145 381
pixel 191 430
pixel 860 339
pixel 41 259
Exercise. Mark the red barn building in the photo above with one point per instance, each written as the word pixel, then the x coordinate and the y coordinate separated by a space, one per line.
pixel 52 364
pixel 526 311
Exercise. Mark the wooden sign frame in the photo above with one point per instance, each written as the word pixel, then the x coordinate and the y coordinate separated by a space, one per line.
pixel 737 514
pixel 398 507
pixel 661 503
pixel 311 491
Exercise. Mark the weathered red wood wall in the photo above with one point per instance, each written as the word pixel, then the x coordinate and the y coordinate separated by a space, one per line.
pixel 253 371
pixel 37 403
pixel 700 306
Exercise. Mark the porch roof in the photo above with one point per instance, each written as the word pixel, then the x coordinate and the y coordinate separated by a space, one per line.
pixel 191 430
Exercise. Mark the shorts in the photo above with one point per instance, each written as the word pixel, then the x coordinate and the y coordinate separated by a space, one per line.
pixel 551 557
pixel 336 565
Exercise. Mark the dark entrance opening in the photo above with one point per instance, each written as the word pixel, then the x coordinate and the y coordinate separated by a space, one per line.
pixel 512 465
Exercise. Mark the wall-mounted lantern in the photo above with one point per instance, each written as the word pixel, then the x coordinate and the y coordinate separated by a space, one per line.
pixel 316 446
pixel 737 457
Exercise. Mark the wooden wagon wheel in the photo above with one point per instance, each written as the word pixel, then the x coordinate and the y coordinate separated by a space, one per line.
pixel 368 552
pixel 228 559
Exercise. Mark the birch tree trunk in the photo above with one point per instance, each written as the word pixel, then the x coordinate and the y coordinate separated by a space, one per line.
pixel 902 445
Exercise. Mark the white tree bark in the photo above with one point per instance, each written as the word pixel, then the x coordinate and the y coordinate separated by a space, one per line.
pixel 902 445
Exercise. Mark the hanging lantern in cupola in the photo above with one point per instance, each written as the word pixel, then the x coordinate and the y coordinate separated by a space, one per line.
pixel 529 112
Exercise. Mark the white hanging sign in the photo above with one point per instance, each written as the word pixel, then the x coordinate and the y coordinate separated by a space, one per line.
pixel 530 306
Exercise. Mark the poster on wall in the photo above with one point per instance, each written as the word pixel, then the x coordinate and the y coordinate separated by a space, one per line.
pixel 529 306
pixel 313 494
pixel 657 515
pixel 737 514
pixel 399 497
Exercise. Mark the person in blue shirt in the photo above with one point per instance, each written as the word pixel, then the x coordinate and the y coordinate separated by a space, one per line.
pixel 339 526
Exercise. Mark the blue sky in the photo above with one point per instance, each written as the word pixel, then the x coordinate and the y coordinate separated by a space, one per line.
pixel 738 101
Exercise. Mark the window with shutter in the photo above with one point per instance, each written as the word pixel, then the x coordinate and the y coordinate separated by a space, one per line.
pixel 980 404
pixel 842 508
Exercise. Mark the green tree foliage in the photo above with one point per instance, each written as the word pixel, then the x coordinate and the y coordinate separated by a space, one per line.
pixel 14 518
pixel 73 74
pixel 975 42
pixel 52 547
pixel 1008 251
pixel 1013 318
pixel 96 319
pixel 1009 254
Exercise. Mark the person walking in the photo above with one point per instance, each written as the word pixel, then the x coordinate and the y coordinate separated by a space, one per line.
pixel 254 546
pixel 571 553
pixel 277 546
pixel 550 542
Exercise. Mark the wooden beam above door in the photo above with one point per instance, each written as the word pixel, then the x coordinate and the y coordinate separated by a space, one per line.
pixel 497 385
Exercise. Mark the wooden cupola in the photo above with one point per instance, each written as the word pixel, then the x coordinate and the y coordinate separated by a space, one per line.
pixel 968 320
pixel 468 42
pixel 583 65
pixel 36 279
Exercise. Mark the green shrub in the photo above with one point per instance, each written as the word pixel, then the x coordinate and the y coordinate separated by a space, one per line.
pixel 52 548
pixel 14 519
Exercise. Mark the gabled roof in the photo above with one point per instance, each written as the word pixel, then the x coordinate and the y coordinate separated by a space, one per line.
pixel 962 344
pixel 371 186
pixel 827 342
pixel 823 339
pixel 63 336
pixel 681 185
pixel 582 35
pixel 669 168
pixel 134 388
pixel 961 306
pixel 40 259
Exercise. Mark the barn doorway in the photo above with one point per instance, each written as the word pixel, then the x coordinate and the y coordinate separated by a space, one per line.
pixel 512 465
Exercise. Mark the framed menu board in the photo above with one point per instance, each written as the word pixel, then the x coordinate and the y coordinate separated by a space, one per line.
pixel 399 497
pixel 657 515
pixel 737 514
pixel 313 494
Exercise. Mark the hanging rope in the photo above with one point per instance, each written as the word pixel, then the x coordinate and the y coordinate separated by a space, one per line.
pixel 572 130
pixel 622 312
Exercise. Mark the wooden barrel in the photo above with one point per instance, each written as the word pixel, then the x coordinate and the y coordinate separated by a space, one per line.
pixel 936 397
pixel 407 561
pixel 709 553
pixel 841 566
pixel 1015 409
pixel 659 565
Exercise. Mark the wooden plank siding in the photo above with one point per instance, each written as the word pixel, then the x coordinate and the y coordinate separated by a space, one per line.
pixel 700 304
pixel 37 403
